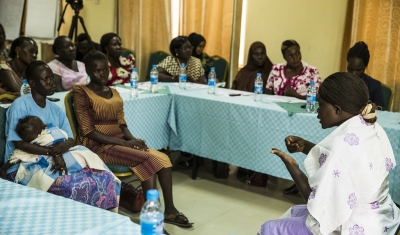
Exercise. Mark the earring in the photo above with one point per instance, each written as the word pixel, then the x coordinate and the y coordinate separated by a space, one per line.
pixel 176 54
pixel 17 55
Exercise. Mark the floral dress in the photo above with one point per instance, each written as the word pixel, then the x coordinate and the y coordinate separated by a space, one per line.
pixel 121 75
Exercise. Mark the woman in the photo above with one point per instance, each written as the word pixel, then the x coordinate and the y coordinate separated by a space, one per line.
pixel 90 186
pixel 198 43
pixel 181 51
pixel 357 62
pixel 348 172
pixel 67 71
pixel 102 128
pixel 120 67
pixel 293 77
pixel 257 62
pixel 4 49
pixel 23 51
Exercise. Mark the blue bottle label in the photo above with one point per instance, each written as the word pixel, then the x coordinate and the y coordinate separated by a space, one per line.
pixel 258 89
pixel 149 227
pixel 153 80
pixel 134 84
pixel 311 98
pixel 182 77
pixel 211 82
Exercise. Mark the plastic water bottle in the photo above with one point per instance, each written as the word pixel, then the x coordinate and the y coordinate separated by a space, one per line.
pixel 154 79
pixel 152 215
pixel 258 87
pixel 182 76
pixel 212 78
pixel 134 83
pixel 311 98
pixel 25 88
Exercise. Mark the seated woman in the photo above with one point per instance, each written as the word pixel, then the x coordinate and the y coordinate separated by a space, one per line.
pixel 293 77
pixel 198 43
pixel 84 44
pixel 120 67
pixel 102 128
pixel 357 62
pixel 67 71
pixel 4 49
pixel 89 186
pixel 257 62
pixel 181 50
pixel 23 52
pixel 347 182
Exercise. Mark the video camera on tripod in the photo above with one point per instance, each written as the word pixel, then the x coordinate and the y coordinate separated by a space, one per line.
pixel 77 5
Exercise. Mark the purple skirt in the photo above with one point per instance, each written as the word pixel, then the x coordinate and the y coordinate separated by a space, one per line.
pixel 93 187
pixel 295 225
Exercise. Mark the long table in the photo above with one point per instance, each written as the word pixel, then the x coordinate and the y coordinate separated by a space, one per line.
pixel 24 210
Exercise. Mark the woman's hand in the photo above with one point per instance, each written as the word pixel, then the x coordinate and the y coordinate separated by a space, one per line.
pixel 290 91
pixel 2 173
pixel 294 144
pixel 136 144
pixel 288 160
pixel 60 148
pixel 59 165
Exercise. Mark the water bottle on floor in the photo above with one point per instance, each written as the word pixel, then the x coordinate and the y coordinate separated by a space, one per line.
pixel 152 215
pixel 212 78
pixel 258 88
pixel 311 98
pixel 25 88
pixel 182 76
pixel 134 83
pixel 154 79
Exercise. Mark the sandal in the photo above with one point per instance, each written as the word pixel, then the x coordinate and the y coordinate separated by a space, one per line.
pixel 180 220
pixel 292 190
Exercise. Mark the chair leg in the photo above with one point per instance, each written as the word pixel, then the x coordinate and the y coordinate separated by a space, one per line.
pixel 194 166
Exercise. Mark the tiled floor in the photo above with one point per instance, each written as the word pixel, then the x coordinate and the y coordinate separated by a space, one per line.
pixel 224 206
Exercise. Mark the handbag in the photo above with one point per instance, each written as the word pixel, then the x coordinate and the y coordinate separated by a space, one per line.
pixel 131 198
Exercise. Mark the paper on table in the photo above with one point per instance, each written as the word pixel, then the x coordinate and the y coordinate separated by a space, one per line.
pixel 231 93
pixel 125 90
pixel 5 105
pixel 287 99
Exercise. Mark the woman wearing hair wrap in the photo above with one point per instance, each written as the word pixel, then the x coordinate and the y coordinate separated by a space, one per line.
pixel 199 43
pixel 357 62
pixel 347 182
pixel 293 77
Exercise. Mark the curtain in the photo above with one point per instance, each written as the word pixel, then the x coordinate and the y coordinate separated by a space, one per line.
pixel 213 20
pixel 377 23
pixel 144 27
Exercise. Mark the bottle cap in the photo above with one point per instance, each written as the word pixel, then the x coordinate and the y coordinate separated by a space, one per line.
pixel 312 83
pixel 152 194
pixel 154 66
pixel 258 74
pixel 212 69
pixel 24 80
pixel 183 64
pixel 134 70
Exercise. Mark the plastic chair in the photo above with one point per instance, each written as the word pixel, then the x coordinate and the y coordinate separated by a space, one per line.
pixel 118 170
pixel 155 58
pixel 387 96
pixel 221 67
pixel 126 52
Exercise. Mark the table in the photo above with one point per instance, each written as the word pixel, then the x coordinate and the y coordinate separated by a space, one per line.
pixel 239 131
pixel 26 210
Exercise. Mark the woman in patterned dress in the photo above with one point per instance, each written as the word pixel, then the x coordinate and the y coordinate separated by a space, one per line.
pixel 103 129
pixel 181 50
pixel 347 181
pixel 120 67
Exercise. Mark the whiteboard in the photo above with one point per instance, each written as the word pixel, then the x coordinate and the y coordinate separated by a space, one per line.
pixel 11 16
pixel 41 18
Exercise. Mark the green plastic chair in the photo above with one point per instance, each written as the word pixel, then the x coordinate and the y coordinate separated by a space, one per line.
pixel 221 67
pixel 387 96
pixel 118 170
pixel 155 58
pixel 127 52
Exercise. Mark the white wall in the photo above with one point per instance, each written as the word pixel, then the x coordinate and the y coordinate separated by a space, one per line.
pixel 317 25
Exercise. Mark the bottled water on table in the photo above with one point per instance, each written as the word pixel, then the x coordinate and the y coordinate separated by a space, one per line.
pixel 152 215
pixel 25 88
pixel 311 98
pixel 258 87
pixel 212 78
pixel 134 83
pixel 154 79
pixel 182 76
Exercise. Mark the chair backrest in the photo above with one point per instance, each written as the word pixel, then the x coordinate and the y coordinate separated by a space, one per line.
pixel 221 67
pixel 387 96
pixel 126 52
pixel 69 109
pixel 155 58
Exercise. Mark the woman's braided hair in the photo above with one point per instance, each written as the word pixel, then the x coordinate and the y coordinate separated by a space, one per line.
pixel 350 93
pixel 359 50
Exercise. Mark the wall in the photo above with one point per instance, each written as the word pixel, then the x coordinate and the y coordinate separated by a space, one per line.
pixel 98 16
pixel 317 25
